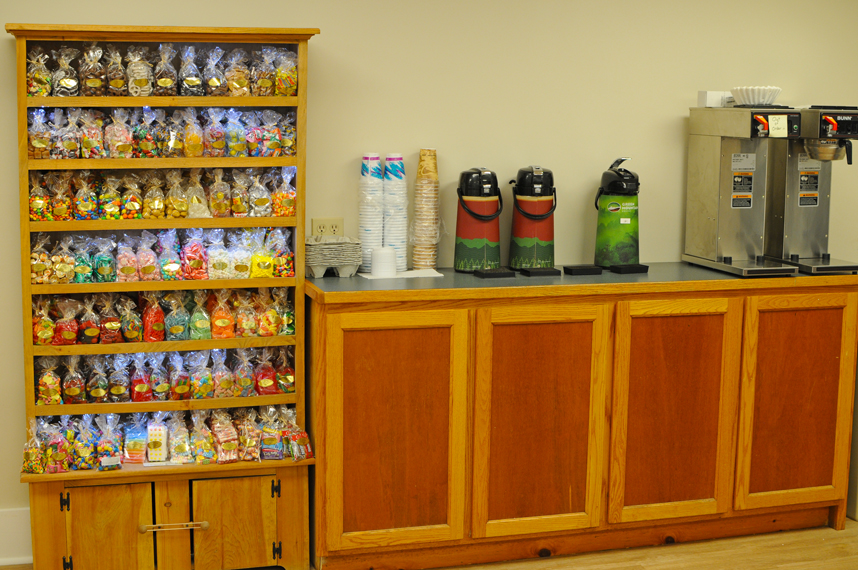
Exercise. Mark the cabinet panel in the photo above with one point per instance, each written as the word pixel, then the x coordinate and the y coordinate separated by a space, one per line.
pixel 797 390
pixel 47 525
pixel 396 427
pixel 173 506
pixel 242 517
pixel 675 393
pixel 539 418
pixel 102 527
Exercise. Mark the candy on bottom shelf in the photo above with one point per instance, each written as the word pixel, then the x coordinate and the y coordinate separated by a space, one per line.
pixel 107 442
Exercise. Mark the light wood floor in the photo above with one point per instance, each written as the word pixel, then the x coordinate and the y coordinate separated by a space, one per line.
pixel 819 548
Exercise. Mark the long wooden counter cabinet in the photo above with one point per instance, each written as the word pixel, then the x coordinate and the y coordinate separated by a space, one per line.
pixel 460 420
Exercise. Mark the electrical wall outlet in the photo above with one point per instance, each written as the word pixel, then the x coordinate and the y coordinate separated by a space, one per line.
pixel 326 226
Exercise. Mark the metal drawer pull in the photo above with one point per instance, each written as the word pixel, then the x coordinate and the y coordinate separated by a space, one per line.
pixel 144 528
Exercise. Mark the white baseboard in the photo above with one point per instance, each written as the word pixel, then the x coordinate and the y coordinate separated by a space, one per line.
pixel 15 545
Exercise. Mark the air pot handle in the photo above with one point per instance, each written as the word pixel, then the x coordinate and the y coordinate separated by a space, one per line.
pixel 848 144
pixel 618 162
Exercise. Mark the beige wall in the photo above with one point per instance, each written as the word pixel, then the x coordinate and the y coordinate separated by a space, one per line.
pixel 569 85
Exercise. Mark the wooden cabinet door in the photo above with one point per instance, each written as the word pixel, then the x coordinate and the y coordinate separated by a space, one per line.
pixel 103 527
pixel 540 418
pixel 676 378
pixel 241 513
pixel 396 417
pixel 798 383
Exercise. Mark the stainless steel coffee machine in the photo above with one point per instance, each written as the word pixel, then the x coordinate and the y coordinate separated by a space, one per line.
pixel 737 159
pixel 797 212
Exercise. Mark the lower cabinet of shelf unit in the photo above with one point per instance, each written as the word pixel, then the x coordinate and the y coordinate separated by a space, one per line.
pixel 103 527
pixel 242 523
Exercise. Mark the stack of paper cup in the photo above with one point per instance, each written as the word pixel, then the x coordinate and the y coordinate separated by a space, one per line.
pixel 396 209
pixel 426 228
pixel 370 208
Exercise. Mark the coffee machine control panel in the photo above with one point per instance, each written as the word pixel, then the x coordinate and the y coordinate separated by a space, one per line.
pixel 775 125
pixel 836 125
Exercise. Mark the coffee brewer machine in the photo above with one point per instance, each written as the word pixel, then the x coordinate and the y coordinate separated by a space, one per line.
pixel 737 160
pixel 798 212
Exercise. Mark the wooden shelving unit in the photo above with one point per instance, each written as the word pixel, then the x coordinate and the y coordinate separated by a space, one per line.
pixel 289 514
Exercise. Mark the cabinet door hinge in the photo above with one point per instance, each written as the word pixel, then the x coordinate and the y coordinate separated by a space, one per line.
pixel 68 565
pixel 65 503
pixel 276 550
pixel 275 488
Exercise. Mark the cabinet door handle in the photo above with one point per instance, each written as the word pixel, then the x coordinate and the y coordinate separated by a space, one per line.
pixel 144 528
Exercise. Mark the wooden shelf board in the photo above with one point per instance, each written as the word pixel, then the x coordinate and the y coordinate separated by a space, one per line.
pixel 130 471
pixel 74 32
pixel 122 225
pixel 134 407
pixel 70 288
pixel 135 163
pixel 162 102
pixel 166 346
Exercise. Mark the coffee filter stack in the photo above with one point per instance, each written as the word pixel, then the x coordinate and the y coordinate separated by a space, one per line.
pixel 370 208
pixel 425 231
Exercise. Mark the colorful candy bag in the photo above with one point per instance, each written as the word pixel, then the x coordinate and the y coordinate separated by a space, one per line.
pixel 239 197
pixel 89 325
pixel 143 136
pixel 249 436
pixel 34 452
pixel 286 73
pixel 224 382
pixel 117 135
pixel 141 386
pixel 41 268
pixel 85 205
pixel 283 259
pixel 225 437
pixel 174 136
pixel 202 442
pixel 131 201
pixel 190 79
pixel 213 74
pixel 202 384
pixel 91 137
pixel 97 384
pixel 214 134
pixel 284 371
pixel 118 383
pixel 83 270
pixel 180 439
pixel 272 442
pixel 253 133
pixel 237 74
pixel 271 141
pixel 261 258
pixel 242 373
pixel 109 447
pixel 66 328
pixel 138 72
pixel 103 261
pixel 166 78
pixel 193 134
pixel 159 380
pixel 146 260
pixel 288 134
pixel 267 317
pixel 176 321
pixel 126 260
pixel 43 325
pixel 194 256
pixel 299 441
pixel 135 439
pixel 180 383
pixel 264 375
pixel 117 86
pixel 199 323
pixel 130 322
pixel 223 322
pixel 84 446
pixel 154 205
pixel 236 135
pixel 246 323
pixel 157 438
pixel 109 199
pixel 219 196
pixel 283 197
pixel 58 449
pixel 74 384
pixel 61 195
pixel 169 260
pixel 48 385
pixel 153 318
pixel 38 77
pixel 39 200
pixel 64 78
pixel 262 73
pixel 217 256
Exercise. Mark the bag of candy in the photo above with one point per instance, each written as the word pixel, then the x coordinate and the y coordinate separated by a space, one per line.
pixel 271 141
pixel 143 143
pixel 115 73
pixel 219 196
pixel 253 133
pixel 180 439
pixel 159 380
pixel 91 72
pixel 110 327
pixel 138 71
pixel 130 322
pixel 118 383
pixel 198 204
pixel 284 371
pixel 38 135
pixel 169 260
pixel 41 268
pixel 49 383
pixel 199 323
pixel 157 438
pixel 283 259
pixel 176 199
pixel 239 255
pixel 267 317
pixel 38 77
pixel 146 260
pixel 286 73
pixel 225 437
pixel 84 457
pixel 141 386
pixel 109 447
pixel 246 323
pixel 299 441
pixel 180 384
pixel 219 266
pixel 153 318
pixel 166 78
pixel 237 74
pixel 262 258
pixel 262 73
pixel 264 375
pixel 64 78
pixel 190 79
pixel 97 384
pixel 117 135
pixel 135 439
pixel 213 74
pixel 132 198
pixel 89 327
pixel 249 436
pixel 103 261
pixel 58 449
pixel 272 442
pixel 214 134
pixel 153 197
pixel 43 324
pixel 66 329
pixel 236 135
pixel 259 198
pixel 109 199
pixel 63 261
pixel 288 134
pixel 126 260
pixel 224 382
pixel 85 205
pixel 174 143
pixel 176 321
pixel 193 134
pixel 83 270
pixel 202 442
pixel 91 137
pixel 223 321
pixel 194 256
pixel 202 384
pixel 61 195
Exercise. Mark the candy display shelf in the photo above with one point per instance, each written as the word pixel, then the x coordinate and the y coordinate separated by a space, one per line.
pixel 274 527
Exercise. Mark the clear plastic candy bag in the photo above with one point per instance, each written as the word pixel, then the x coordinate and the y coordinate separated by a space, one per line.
pixel 109 447
pixel 180 382
pixel 199 322
pixel 117 135
pixel 225 437
pixel 180 439
pixel 38 135
pixel 283 197
pixel 239 255
pixel 64 78
pixel 66 328
pixel 153 318
pixel 213 74
pixel 214 135
pixel 190 79
pixel 96 383
pixel 131 201
pixel 237 74
pixel 236 134
pixel 174 145
pixel 103 261
pixel 246 322
pixel 239 198
pixel 222 318
pixel 119 383
pixel 91 137
pixel 224 381
pixel 198 204
pixel 282 257
pixel 141 387
pixel 143 136
pixel 49 383
pixel 254 133
pixel 89 324
pixel 202 441
pixel 63 261
pixel 158 377
pixel 135 439
pixel 271 140
pixel 166 77
pixel 147 261
pixel 92 75
pixel 286 73
pixel 272 442
pixel 154 204
pixel 110 199
pixel 117 84
pixel 219 196
pixel 138 72
pixel 169 260
pixel 176 199
pixel 38 77
pixel 262 73
pixel 193 134
pixel 262 258
pixel 110 324
pixel 202 384
pixel 219 266
pixel 176 321
pixel 131 324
